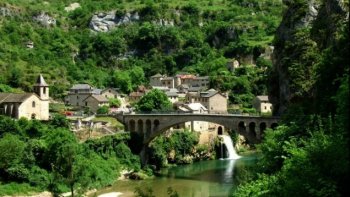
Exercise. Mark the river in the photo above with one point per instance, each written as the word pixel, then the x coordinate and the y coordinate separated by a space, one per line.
pixel 200 179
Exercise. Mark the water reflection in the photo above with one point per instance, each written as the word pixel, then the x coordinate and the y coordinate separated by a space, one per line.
pixel 201 179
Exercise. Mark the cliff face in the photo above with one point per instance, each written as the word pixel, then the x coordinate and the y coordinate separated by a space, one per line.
pixel 307 28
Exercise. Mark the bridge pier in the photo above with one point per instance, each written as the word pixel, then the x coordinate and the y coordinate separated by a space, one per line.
pixel 144 156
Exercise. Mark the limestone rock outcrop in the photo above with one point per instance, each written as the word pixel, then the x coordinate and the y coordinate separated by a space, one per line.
pixel 5 11
pixel 314 16
pixel 45 20
pixel 105 21
pixel 8 11
pixel 72 7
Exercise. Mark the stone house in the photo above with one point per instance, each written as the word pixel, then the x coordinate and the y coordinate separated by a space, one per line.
pixel 95 101
pixel 136 96
pixel 28 105
pixel 111 93
pixel 156 80
pixel 184 79
pixel 172 95
pixel 180 79
pixel 214 101
pixel 168 82
pixel 261 104
pixel 78 93
pixel 192 80
pixel 195 108
pixel 183 88
pixel 202 82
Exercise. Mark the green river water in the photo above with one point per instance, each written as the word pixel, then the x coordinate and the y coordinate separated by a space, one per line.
pixel 200 179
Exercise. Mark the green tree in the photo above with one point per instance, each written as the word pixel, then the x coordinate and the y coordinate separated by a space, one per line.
pixel 11 157
pixel 122 80
pixel 137 76
pixel 155 100
pixel 184 142
pixel 60 121
pixel 12 149
pixel 9 125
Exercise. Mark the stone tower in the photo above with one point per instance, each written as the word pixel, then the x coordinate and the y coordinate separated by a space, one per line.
pixel 41 88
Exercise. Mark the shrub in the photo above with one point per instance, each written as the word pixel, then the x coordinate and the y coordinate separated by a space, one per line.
pixel 103 110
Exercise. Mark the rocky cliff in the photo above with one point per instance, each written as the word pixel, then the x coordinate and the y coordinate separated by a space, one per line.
pixel 307 29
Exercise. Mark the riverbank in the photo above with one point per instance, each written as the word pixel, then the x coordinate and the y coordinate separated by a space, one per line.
pixel 111 194
pixel 42 194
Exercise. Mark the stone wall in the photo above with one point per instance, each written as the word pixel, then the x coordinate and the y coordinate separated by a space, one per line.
pixel 41 109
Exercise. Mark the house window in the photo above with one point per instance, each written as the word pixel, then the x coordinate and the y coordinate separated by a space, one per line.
pixel 33 116
pixel 44 90
pixel 109 91
pixel 265 107
pixel 33 104
pixel 77 97
pixel 86 103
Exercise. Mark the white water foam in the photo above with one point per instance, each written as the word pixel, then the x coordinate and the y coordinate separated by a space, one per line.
pixel 232 154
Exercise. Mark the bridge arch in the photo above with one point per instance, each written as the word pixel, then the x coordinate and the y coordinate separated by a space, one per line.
pixel 252 128
pixel 132 125
pixel 160 127
pixel 148 127
pixel 262 128
pixel 220 130
pixel 140 126
pixel 156 123
pixel 241 126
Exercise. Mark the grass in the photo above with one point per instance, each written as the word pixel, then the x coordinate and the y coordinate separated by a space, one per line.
pixel 114 123
pixel 17 188
pixel 57 107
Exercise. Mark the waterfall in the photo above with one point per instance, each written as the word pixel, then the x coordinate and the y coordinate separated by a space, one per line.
pixel 229 145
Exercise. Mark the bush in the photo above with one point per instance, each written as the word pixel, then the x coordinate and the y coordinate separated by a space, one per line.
pixel 39 177
pixel 103 110
pixel 126 158
pixel 114 102
pixel 60 121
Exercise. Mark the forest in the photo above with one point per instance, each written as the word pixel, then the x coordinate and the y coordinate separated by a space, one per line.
pixel 202 38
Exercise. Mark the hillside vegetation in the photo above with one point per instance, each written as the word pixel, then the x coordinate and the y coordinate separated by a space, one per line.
pixel 165 36
pixel 309 154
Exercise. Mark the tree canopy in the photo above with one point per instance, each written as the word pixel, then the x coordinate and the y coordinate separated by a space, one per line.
pixel 154 101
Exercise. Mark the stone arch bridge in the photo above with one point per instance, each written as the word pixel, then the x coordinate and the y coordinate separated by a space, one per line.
pixel 152 125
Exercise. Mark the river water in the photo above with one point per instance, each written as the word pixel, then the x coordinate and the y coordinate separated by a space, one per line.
pixel 200 179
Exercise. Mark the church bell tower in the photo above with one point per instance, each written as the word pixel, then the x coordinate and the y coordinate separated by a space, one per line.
pixel 41 88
